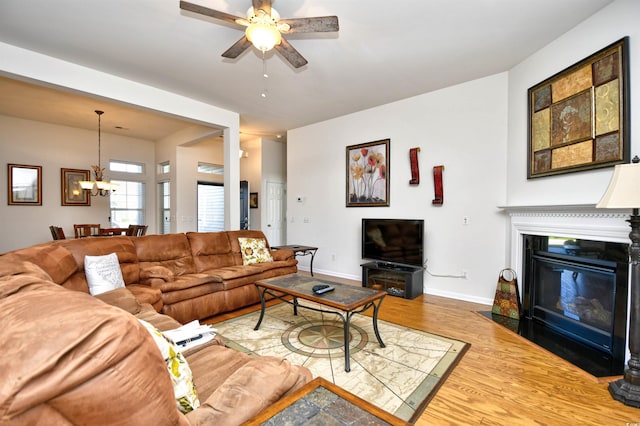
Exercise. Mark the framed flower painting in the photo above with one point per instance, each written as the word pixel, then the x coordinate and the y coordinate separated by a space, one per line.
pixel 368 174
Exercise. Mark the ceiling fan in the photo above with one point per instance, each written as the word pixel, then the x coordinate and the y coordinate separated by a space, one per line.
pixel 264 29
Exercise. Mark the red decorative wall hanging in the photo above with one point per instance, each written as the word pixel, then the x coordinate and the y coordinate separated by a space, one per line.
pixel 415 171
pixel 437 183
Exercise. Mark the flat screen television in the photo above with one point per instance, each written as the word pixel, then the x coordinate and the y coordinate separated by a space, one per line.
pixel 396 241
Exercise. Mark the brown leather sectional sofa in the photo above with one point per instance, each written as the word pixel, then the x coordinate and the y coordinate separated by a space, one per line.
pixel 187 276
pixel 72 358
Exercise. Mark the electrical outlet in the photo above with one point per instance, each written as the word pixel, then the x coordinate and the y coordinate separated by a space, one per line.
pixel 333 257
pixel 464 274
pixel 465 220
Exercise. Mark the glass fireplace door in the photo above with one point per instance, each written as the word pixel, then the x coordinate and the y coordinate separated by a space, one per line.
pixel 576 298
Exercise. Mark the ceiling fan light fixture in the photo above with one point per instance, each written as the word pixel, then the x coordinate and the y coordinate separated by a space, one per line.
pixel 263 31
pixel 263 36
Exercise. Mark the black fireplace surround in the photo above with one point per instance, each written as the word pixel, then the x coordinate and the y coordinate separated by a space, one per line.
pixel 575 300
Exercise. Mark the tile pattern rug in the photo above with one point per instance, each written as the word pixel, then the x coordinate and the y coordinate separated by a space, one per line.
pixel 400 378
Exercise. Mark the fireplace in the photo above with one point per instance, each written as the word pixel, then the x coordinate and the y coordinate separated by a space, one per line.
pixel 572 262
pixel 578 289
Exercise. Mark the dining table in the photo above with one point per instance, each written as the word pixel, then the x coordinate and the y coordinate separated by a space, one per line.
pixel 110 232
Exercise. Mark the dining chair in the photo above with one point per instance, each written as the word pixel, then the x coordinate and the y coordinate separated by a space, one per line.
pixel 137 230
pixel 86 230
pixel 57 233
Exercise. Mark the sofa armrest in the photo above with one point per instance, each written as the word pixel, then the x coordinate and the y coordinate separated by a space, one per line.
pixel 146 294
pixel 159 272
pixel 282 254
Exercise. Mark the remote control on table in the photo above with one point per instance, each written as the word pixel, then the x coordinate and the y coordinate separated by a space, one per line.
pixel 320 289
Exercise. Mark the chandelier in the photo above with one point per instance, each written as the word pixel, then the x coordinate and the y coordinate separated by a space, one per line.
pixel 98 186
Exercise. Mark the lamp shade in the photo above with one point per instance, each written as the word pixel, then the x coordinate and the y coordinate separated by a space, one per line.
pixel 624 188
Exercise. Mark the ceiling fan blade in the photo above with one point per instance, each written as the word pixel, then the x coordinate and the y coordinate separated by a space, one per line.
pixel 262 4
pixel 237 48
pixel 184 5
pixel 320 24
pixel 291 54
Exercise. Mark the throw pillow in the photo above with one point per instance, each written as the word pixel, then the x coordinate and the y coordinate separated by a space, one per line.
pixel 183 387
pixel 103 273
pixel 254 250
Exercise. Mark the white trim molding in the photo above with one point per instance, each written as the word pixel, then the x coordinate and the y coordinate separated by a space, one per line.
pixel 580 221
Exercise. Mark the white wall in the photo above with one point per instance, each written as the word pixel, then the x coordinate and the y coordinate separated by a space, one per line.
pixel 607 26
pixel 463 128
pixel 54 147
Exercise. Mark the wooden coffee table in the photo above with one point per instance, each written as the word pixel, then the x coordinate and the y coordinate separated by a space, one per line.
pixel 322 402
pixel 345 301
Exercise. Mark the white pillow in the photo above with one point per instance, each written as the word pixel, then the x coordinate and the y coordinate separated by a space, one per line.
pixel 103 273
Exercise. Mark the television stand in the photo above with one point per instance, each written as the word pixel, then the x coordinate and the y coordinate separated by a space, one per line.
pixel 397 280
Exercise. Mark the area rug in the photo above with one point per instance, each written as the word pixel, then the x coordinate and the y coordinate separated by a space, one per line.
pixel 400 378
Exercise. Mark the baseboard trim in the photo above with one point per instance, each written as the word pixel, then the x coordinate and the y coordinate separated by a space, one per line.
pixel 459 296
pixel 433 292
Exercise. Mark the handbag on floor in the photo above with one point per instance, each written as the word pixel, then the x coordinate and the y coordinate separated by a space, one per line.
pixel 507 300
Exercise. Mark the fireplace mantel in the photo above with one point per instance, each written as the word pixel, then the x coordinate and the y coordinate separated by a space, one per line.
pixel 583 221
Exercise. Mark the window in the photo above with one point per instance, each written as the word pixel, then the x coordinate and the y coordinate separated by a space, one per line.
pixel 121 166
pixel 127 204
pixel 210 207
pixel 165 207
pixel 213 169
pixel 164 168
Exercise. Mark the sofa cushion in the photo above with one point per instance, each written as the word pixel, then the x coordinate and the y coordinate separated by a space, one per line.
pixel 178 368
pixel 169 250
pixel 236 386
pixel 53 258
pixel 191 292
pixel 210 250
pixel 254 250
pixel 103 273
pixel 157 271
pixel 21 267
pixel 121 298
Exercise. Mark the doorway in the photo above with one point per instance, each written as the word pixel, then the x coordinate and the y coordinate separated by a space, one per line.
pixel 276 231
pixel 244 204
pixel 211 206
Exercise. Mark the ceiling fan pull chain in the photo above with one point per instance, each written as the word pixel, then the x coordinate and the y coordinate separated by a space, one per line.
pixel 265 76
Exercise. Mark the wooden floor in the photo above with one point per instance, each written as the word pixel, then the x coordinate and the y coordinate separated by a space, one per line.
pixel 503 379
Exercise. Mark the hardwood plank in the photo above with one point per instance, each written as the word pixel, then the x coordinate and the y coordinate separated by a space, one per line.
pixel 503 379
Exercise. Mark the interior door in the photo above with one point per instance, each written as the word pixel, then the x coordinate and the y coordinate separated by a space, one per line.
pixel 244 204
pixel 276 219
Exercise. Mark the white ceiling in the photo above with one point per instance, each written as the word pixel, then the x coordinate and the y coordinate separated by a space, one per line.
pixel 385 51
